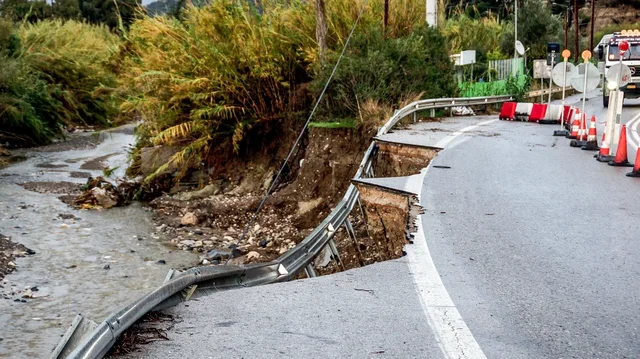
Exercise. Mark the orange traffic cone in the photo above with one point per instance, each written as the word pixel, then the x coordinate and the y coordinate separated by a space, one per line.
pixel 621 151
pixel 636 166
pixel 582 134
pixel 592 137
pixel 575 127
pixel 604 154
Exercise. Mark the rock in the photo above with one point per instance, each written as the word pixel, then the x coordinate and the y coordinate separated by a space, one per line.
pixel 103 198
pixel 305 207
pixel 161 261
pixel 209 190
pixel 189 219
pixel 4 152
pixel 27 294
pixel 198 232
pixel 263 243
pixel 256 228
pixel 106 266
pixel 188 243
pixel 283 250
pixel 11 264
pixel 151 158
pixel 205 262
pixel 30 252
pixel 34 289
pixel 218 254
pixel 207 243
pixel 253 255
pixel 231 230
pixel 198 244
pixel 227 238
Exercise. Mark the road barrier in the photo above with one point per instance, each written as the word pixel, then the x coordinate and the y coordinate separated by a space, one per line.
pixel 88 340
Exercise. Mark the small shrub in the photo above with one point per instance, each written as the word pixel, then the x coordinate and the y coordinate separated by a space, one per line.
pixel 377 73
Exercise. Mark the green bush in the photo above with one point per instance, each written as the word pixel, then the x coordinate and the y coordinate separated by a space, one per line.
pixel 385 71
pixel 53 74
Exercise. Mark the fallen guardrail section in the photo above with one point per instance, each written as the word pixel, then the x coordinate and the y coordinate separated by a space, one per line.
pixel 87 339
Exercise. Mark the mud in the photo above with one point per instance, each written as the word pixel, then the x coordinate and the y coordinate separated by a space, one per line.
pixel 387 218
pixel 395 160
pixel 62 187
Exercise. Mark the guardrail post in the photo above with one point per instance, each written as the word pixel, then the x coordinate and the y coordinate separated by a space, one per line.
pixel 334 251
pixel 352 235
pixel 432 112
pixel 310 271
pixel 415 117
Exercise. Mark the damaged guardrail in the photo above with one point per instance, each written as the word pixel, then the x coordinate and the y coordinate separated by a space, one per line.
pixel 86 339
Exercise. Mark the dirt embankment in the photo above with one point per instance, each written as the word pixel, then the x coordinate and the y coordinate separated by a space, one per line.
pixel 608 13
pixel 212 220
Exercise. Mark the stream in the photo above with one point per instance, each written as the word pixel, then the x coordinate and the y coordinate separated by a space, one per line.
pixel 89 262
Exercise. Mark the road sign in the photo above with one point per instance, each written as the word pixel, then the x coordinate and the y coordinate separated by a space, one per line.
pixel 623 46
pixel 566 54
pixel 586 55
pixel 540 69
pixel 614 74
pixel 558 74
pixel 553 58
pixel 519 48
pixel 586 74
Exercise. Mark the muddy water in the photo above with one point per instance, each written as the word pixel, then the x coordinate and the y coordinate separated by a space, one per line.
pixel 72 253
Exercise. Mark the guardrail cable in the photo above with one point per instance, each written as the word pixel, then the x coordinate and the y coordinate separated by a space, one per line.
pixel 306 124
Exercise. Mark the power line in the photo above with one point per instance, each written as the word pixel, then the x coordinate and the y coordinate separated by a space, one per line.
pixel 306 124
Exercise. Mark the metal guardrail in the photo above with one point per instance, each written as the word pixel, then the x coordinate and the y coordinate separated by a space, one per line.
pixel 536 93
pixel 98 339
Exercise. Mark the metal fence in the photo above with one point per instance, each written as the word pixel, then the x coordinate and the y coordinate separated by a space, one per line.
pixel 180 286
pixel 503 69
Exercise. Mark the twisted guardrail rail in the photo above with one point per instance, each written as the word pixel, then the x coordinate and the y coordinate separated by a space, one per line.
pixel 87 340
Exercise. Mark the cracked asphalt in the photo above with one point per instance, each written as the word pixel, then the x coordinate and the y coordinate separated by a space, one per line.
pixel 535 242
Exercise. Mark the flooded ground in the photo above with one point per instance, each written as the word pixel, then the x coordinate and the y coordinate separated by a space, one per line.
pixel 89 262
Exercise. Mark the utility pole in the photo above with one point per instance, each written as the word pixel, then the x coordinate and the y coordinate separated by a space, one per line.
pixel 431 8
pixel 566 29
pixel 515 32
pixel 576 54
pixel 593 20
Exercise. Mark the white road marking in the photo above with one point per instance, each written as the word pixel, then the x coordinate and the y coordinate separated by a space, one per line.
pixel 452 334
pixel 635 136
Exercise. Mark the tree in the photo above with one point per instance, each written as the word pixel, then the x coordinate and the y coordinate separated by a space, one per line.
pixel 25 10
pixel 108 12
pixel 321 30
pixel 65 9
pixel 536 27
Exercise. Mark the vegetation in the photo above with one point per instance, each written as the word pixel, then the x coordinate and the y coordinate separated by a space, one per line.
pixel 101 12
pixel 212 79
pixel 53 74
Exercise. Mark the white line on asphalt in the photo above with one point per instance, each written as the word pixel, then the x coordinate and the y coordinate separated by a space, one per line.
pixel 634 132
pixel 453 335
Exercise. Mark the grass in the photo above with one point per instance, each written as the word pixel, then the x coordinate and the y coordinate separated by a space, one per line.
pixel 348 123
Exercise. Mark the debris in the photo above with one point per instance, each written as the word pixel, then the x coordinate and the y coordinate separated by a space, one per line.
pixel 253 255
pixel 106 266
pixel 370 291
pixel 189 219
pixel 437 166
pixel 162 261
pixel 263 243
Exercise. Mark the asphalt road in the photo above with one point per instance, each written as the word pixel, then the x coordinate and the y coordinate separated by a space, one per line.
pixel 528 249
